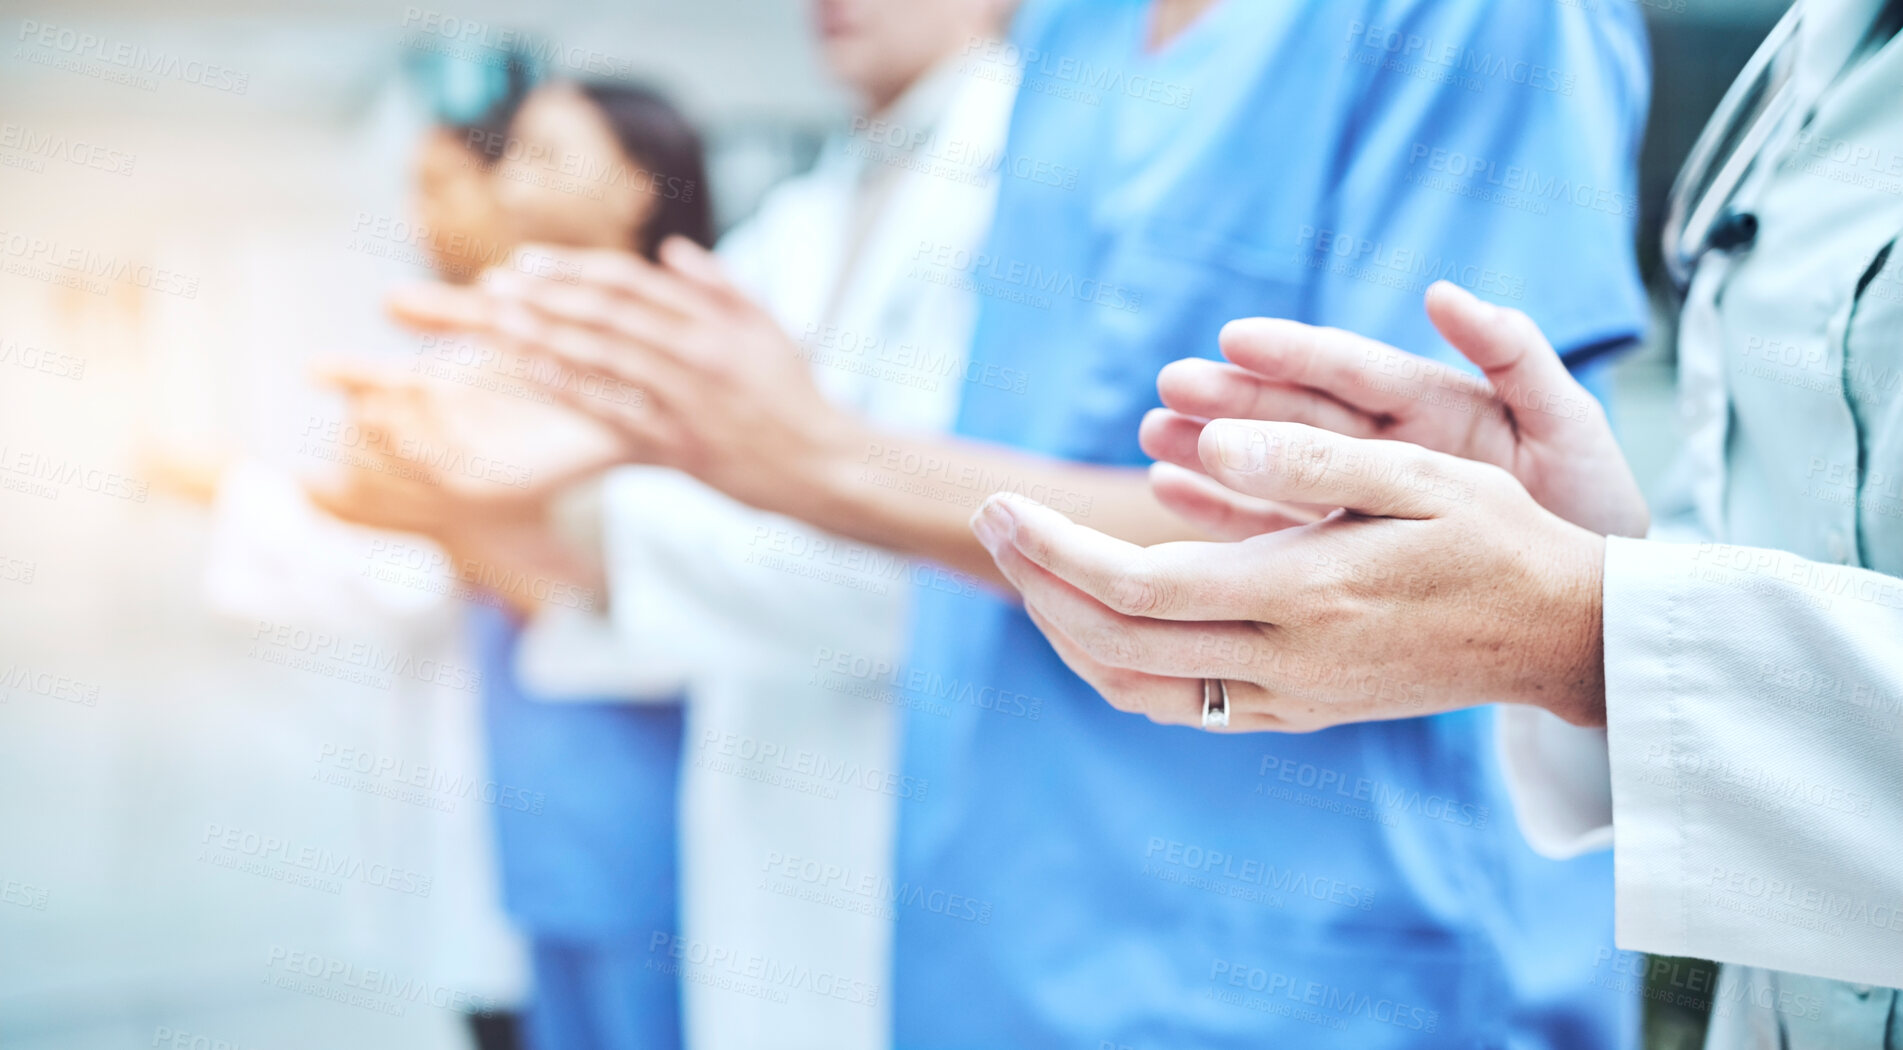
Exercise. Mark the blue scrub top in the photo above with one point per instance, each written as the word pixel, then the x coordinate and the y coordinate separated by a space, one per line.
pixel 1131 885
pixel 586 833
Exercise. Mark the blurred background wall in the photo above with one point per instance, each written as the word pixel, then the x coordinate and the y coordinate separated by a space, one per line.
pixel 158 762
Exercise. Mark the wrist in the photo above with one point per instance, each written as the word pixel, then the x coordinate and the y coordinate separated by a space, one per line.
pixel 1573 685
pixel 823 481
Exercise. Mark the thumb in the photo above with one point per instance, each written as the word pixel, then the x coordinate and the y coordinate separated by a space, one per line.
pixel 1525 372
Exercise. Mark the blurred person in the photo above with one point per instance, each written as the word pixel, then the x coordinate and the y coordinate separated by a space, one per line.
pixel 277 561
pixel 1117 884
pixel 588 870
pixel 1710 687
pixel 789 771
pixel 454 200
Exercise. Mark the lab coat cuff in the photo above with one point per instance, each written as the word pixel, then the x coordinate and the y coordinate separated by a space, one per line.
pixel 1645 610
pixel 1556 775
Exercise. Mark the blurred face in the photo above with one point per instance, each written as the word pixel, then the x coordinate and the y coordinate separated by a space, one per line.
pixel 454 201
pixel 879 47
pixel 563 179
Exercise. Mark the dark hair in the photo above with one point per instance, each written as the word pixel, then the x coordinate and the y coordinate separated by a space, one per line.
pixel 667 157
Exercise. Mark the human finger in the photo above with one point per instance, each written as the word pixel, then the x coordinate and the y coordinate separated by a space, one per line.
pixel 1222 512
pixel 1173 649
pixel 436 307
pixel 1161 699
pixel 1364 373
pixel 1215 390
pixel 1525 373
pixel 1297 463
pixel 1195 582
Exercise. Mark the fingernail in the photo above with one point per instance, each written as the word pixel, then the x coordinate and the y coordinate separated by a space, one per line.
pixel 993 524
pixel 1242 447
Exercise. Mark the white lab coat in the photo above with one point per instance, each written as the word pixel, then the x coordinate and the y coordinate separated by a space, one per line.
pixel 781 634
pixel 1750 781
pixel 285 570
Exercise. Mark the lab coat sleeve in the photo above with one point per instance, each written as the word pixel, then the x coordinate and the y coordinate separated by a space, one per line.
pixel 276 558
pixel 1557 774
pixel 698 579
pixel 569 654
pixel 1753 701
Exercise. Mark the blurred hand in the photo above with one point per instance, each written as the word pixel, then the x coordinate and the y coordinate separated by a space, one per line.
pixel 476 472
pixel 1440 585
pixel 433 458
pixel 1527 416
pixel 721 391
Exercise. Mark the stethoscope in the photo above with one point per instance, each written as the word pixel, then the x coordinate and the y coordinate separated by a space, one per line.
pixel 1753 120
pixel 1699 218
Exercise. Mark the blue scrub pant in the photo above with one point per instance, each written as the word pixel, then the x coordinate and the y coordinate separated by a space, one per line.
pixel 601 995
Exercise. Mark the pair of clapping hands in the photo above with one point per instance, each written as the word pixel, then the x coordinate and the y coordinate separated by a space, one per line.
pixel 1404 538
pixel 1400 538
pixel 477 470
